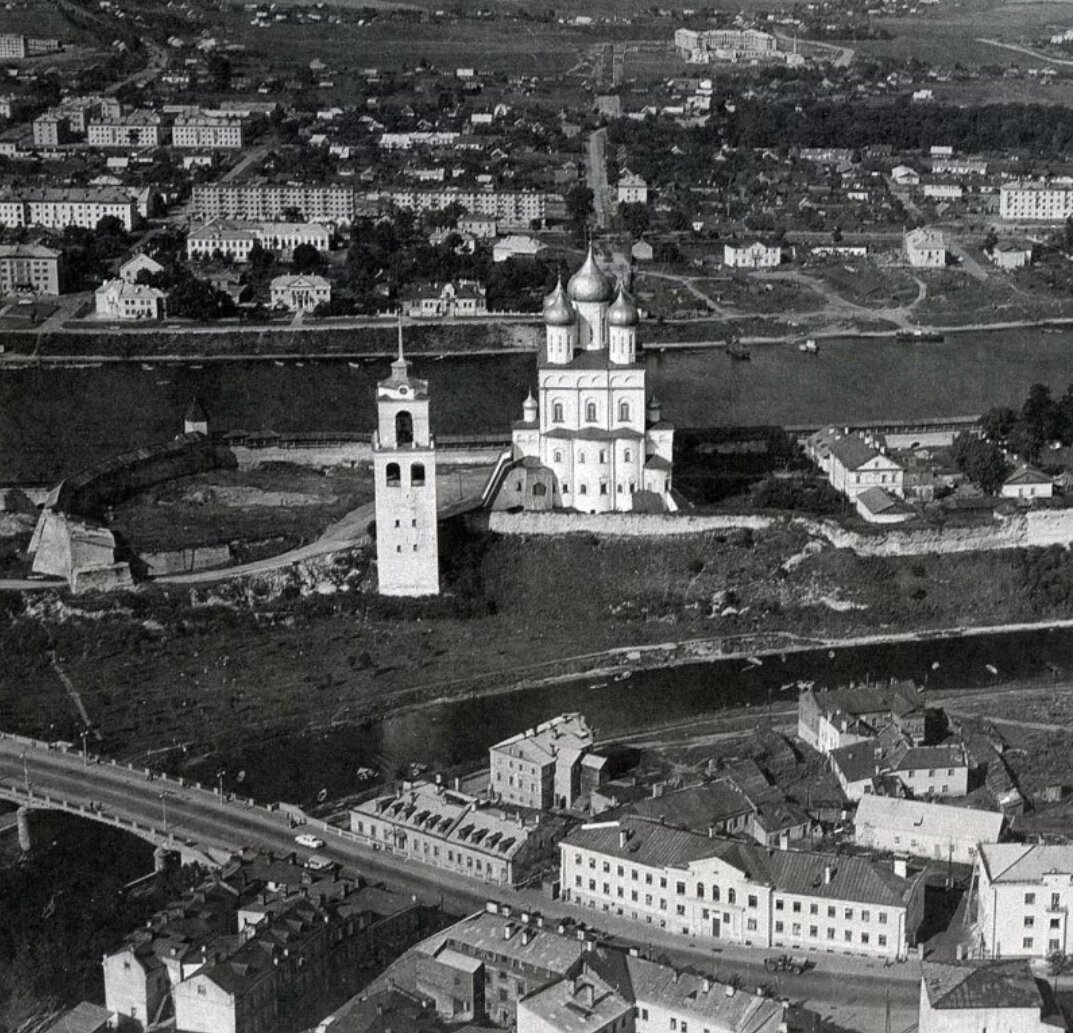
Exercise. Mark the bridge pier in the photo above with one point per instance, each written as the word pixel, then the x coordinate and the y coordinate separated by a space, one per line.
pixel 22 823
pixel 163 859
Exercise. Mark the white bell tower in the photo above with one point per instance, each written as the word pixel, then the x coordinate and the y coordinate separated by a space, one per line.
pixel 404 468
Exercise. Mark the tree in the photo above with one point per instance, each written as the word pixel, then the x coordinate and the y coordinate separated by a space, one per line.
pixel 981 461
pixel 1036 423
pixel 990 240
pixel 1057 962
pixel 578 201
pixel 219 69
pixel 996 423
pixel 635 217
pixel 306 259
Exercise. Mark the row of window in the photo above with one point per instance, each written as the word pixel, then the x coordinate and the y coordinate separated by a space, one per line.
pixel 1056 900
pixel 627 456
pixel 393 475
pixel 558 412
pixel 831 934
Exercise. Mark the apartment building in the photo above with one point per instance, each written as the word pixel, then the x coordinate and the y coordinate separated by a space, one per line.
pixel 1036 200
pixel 448 829
pixel 516 208
pixel 540 768
pixel 30 267
pixel 271 202
pixel 1023 895
pixel 828 719
pixel 55 208
pixel 118 299
pixel 207 132
pixel 139 128
pixel 925 249
pixel 236 240
pixel 13 47
pixel 51 130
pixel 714 889
pixel 249 947
pixel 976 996
pixel 929 830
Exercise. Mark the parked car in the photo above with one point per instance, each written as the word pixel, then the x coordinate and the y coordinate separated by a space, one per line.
pixel 306 839
pixel 786 963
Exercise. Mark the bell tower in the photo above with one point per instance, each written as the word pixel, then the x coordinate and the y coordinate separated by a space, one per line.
pixel 404 468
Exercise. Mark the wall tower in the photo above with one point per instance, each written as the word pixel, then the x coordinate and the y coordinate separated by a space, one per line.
pixel 404 468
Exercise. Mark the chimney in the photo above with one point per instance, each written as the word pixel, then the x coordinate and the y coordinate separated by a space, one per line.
pixel 635 952
pixel 540 921
pixel 828 871
pixel 527 937
pixel 706 985
pixel 458 784
pixel 581 935
pixel 729 990
pixel 380 1008
pixel 491 907
pixel 525 916
pixel 674 976
pixel 561 928
pixel 623 837
pixel 509 930
pixel 590 945
pixel 505 910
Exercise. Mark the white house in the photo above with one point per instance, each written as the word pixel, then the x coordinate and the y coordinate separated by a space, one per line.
pixel 992 996
pixel 1012 256
pixel 853 464
pixel 1024 892
pixel 140 262
pixel 905 175
pixel 516 246
pixel 1027 483
pixel 632 189
pixel 925 249
pixel 922 829
pixel 878 506
pixel 117 299
pixel 751 256
pixel 301 293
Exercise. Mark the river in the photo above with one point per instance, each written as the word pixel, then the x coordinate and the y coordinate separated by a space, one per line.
pixel 54 421
pixel 458 732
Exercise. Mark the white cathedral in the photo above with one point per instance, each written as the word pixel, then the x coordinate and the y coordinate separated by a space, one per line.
pixel 592 441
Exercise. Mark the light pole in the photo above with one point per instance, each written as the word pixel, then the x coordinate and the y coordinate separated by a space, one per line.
pixel 220 781
pixel 85 757
pixel 164 807
pixel 25 772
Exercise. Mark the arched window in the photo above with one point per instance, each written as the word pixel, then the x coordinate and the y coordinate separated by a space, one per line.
pixel 417 475
pixel 393 475
pixel 627 456
pixel 404 428
pixel 581 458
pixel 590 412
pixel 557 412
pixel 583 490
pixel 715 893
pixel 700 890
pixel 732 896
pixel 557 457
pixel 539 490
pixel 623 410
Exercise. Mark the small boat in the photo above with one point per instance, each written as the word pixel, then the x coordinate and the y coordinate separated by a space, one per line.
pixel 992 668
pixel 300 365
pixel 920 336
pixel 739 352
pixel 197 367
pixel 809 346
pixel 279 363
pixel 146 366
pixel 354 365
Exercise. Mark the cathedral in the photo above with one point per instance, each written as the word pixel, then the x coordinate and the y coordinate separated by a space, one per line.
pixel 592 440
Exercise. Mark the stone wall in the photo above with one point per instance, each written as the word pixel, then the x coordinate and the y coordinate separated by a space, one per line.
pixel 183 561
pixel 112 578
pixel 353 453
pixel 622 524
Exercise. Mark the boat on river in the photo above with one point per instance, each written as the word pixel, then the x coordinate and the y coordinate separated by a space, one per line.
pixel 810 347
pixel 920 336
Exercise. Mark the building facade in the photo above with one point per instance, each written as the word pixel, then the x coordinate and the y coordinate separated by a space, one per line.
pixel 1036 201
pixel 136 129
pixel 921 829
pixel 273 202
pixel 751 256
pixel 118 299
pixel 925 249
pixel 592 441
pixel 30 267
pixel 828 719
pixel 404 468
pixel 58 208
pixel 1023 895
pixel 207 132
pixel 300 293
pixel 540 768
pixel 713 889
pixel 235 240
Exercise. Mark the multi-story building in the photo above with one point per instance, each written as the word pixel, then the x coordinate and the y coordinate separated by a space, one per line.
pixel 712 889
pixel 137 129
pixel 921 771
pixel 51 130
pixel 508 207
pixel 921 829
pixel 632 189
pixel 13 46
pixel 251 947
pixel 1023 895
pixel 209 132
pixel 448 829
pixel 830 718
pixel 751 256
pixel 725 45
pixel 118 299
pixel 273 202
pixel 925 249
pixel 1036 200
pixel 300 293
pixel 976 996
pixel 236 240
pixel 31 267
pixel 71 206
pixel 854 464
pixel 540 768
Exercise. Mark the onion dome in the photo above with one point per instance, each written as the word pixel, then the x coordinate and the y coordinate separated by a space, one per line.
pixel 589 283
pixel 529 408
pixel 623 312
pixel 557 308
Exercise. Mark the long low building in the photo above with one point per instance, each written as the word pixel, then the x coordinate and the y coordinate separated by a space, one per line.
pixel 57 208
pixel 236 240
pixel 921 829
pixel 714 889
pixel 448 829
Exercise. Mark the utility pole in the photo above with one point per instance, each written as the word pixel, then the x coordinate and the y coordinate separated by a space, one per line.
pixel 164 807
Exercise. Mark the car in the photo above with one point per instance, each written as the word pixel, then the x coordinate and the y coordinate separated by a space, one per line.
pixel 319 863
pixel 786 963
pixel 306 839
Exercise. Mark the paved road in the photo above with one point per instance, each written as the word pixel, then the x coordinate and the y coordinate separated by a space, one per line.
pixel 850 990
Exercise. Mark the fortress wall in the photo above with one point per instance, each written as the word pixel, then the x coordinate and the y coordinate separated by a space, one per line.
pixel 621 524
pixel 354 454
pixel 184 561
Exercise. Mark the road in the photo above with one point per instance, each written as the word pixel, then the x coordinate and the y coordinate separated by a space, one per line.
pixel 597 177
pixel 850 991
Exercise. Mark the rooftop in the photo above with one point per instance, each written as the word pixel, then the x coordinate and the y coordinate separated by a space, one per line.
pixel 542 744
pixel 981 985
pixel 895 814
pixel 1021 862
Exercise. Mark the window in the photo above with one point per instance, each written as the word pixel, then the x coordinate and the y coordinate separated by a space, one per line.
pixel 866 916
pixel 1029 921
pixel 607 889
pixel 750 925
pixel 393 475
pixel 627 456
pixel 603 456
pixel 813 931
pixel 732 896
pixel 779 905
pixel 848 936
pixel 607 867
pixel 581 458
pixel 584 490
pixel 680 888
pixel 404 428
pixel 830 912
pixel 1056 901
pixel 814 909
pixel 882 939
pixel 830 933
pixel 849 914
pixel 624 411
pixel 557 413
pixel 590 412
pixel 882 917
pixel 1056 923
pixel 417 475
pixel 674 1023
pixel 864 937
pixel 1053 945
pixel 557 457
pixel 752 900
pixel 680 909
pixel 620 871
pixel 662 882
pixel 778 927
pixel 715 893
pixel 797 907
pixel 644 1014
pixel 1030 898
pixel 1026 943
pixel 700 890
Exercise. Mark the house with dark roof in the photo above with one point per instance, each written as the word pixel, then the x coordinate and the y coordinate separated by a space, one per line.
pixel 972 996
pixel 712 889
pixel 830 718
pixel 453 298
pixel 854 463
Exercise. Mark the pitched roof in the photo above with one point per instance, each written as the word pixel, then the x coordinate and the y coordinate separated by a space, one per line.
pixel 980 984
pixel 1021 862
pixel 648 843
pixel 82 1018
pixel 878 501
pixel 852 451
pixel 1028 475
pixel 896 815
pixel 696 807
